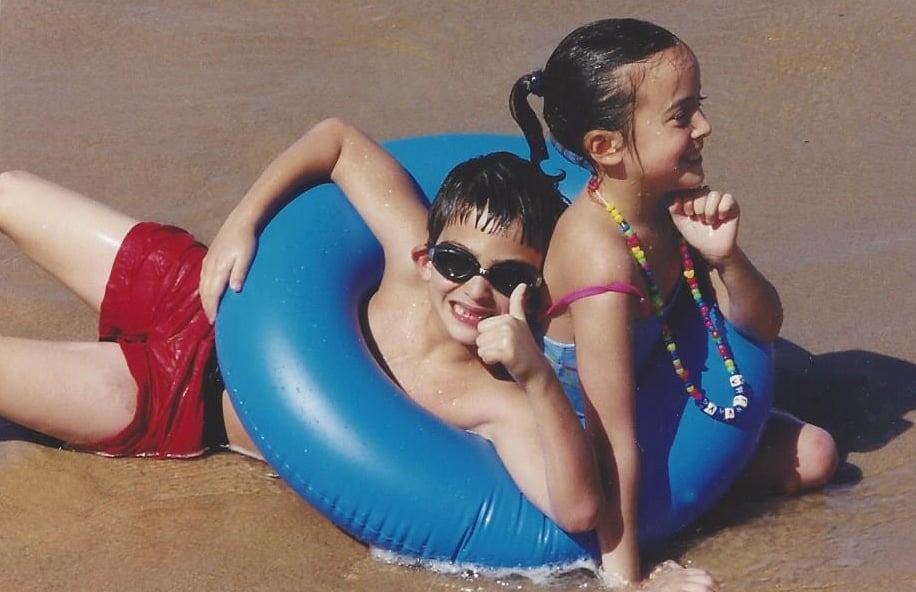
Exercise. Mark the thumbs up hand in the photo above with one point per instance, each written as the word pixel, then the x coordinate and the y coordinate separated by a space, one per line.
pixel 506 339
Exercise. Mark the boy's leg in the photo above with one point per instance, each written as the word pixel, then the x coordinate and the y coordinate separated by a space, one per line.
pixel 239 440
pixel 69 235
pixel 793 456
pixel 75 392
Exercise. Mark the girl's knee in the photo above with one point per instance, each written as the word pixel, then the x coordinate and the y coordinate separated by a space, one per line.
pixel 793 456
pixel 817 457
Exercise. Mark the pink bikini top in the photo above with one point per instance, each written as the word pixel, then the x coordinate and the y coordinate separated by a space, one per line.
pixel 588 291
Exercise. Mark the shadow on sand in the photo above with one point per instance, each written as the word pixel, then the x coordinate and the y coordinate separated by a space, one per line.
pixel 860 397
pixel 11 432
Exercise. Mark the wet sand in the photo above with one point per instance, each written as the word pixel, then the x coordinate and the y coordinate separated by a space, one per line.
pixel 168 110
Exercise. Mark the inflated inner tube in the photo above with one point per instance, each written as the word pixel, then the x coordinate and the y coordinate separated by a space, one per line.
pixel 386 471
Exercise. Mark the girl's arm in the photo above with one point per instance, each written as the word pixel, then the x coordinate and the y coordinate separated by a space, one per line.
pixel 708 220
pixel 542 444
pixel 378 187
pixel 586 251
pixel 746 297
pixel 604 356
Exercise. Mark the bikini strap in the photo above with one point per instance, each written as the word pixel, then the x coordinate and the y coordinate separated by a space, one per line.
pixel 589 291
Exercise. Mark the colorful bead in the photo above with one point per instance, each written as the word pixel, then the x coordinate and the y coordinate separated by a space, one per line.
pixel 736 380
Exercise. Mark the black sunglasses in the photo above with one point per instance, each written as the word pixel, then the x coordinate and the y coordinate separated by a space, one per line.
pixel 458 265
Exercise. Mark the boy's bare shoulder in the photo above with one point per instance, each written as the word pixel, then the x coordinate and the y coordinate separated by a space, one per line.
pixel 462 391
pixel 400 297
pixel 397 306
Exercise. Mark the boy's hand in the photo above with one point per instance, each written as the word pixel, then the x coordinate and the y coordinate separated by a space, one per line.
pixel 708 220
pixel 226 263
pixel 507 340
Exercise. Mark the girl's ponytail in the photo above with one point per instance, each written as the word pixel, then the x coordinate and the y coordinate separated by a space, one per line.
pixel 524 115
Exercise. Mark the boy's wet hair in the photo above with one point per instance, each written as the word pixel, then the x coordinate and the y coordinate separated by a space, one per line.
pixel 499 190
pixel 582 87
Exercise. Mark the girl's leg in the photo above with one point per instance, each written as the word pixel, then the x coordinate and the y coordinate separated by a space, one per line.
pixel 75 392
pixel 793 456
pixel 69 235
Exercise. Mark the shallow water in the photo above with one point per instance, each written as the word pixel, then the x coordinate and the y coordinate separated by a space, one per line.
pixel 168 110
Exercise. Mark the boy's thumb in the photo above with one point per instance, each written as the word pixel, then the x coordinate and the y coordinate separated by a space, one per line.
pixel 517 302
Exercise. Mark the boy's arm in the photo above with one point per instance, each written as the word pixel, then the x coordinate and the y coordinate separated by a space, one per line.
pixel 564 484
pixel 380 189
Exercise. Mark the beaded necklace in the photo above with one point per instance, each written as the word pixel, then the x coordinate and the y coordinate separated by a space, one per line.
pixel 736 380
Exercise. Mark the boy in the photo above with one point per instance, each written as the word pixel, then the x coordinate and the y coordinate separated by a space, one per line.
pixel 448 319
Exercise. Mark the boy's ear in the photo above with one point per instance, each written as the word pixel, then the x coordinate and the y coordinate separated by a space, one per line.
pixel 420 256
pixel 604 147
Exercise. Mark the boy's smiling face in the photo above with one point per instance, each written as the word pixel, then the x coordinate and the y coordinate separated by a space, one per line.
pixel 461 306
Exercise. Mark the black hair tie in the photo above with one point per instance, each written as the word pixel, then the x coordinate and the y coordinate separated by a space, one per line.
pixel 535 85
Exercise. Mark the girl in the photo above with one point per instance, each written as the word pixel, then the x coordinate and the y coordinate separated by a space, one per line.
pixel 622 96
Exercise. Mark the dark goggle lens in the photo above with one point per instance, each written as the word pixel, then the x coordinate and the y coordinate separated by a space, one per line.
pixel 460 266
pixel 455 265
pixel 506 276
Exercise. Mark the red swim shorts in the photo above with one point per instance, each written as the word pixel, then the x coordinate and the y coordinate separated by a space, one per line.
pixel 152 310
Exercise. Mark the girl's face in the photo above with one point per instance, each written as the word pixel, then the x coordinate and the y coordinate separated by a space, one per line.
pixel 461 306
pixel 668 124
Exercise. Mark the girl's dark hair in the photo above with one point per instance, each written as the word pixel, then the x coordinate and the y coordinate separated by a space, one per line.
pixel 498 189
pixel 581 87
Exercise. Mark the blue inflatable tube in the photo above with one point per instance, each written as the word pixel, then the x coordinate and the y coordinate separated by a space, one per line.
pixel 384 470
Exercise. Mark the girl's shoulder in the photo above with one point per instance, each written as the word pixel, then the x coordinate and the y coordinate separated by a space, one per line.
pixel 587 245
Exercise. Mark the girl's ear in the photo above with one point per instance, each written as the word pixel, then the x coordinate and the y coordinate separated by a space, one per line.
pixel 420 257
pixel 604 147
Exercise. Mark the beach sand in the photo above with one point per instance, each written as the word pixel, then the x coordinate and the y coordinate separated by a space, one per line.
pixel 169 109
